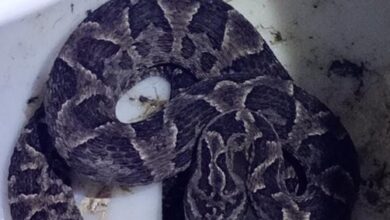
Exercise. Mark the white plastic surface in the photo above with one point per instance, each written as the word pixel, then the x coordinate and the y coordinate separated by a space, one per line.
pixel 14 9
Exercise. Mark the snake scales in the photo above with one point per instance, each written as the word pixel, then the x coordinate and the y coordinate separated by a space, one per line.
pixel 255 145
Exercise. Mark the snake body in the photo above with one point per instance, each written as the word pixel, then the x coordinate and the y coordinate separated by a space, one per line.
pixel 256 145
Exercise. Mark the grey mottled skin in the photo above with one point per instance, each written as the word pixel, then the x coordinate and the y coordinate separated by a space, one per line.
pixel 254 143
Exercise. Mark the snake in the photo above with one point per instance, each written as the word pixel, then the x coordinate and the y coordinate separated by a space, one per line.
pixel 253 144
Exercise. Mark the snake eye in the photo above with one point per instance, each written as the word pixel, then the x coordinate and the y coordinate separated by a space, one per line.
pixel 295 175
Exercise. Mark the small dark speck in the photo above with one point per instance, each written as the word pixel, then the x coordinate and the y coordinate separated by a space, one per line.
pixel 32 99
pixel 345 68
pixel 143 99
pixel 315 6
pixel 58 20
pixel 71 7
pixel 311 37
pixel 277 36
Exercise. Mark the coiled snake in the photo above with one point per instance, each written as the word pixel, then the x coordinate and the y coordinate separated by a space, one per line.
pixel 254 143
